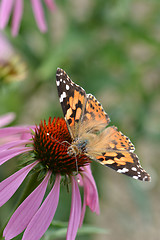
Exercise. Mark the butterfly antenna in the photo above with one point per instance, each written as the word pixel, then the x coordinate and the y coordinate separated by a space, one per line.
pixel 66 142
pixel 58 141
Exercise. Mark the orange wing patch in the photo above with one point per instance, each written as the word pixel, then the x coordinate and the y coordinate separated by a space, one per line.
pixel 116 140
pixel 126 163
pixel 74 111
pixel 95 111
pixel 113 149
pixel 116 157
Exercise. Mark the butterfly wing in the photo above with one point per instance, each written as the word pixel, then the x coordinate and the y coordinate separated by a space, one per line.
pixel 72 98
pixel 115 150
pixel 85 117
pixel 82 111
pixel 94 111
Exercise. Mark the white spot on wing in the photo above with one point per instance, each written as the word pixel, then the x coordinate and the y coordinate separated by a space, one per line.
pixel 135 177
pixel 145 177
pixel 63 95
pixel 58 83
pixel 67 87
pixel 134 169
pixel 123 170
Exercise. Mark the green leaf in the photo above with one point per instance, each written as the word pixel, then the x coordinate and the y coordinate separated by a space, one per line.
pixel 59 229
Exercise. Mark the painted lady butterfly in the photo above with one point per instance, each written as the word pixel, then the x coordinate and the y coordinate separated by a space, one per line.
pixel 87 121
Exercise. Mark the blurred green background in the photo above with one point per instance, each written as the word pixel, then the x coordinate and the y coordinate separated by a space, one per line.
pixel 112 50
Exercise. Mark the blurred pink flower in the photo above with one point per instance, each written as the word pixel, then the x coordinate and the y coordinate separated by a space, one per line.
pixel 47 143
pixel 12 66
pixel 6 119
pixel 6 49
pixel 17 6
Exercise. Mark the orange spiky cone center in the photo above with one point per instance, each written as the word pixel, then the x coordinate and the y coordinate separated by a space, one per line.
pixel 51 141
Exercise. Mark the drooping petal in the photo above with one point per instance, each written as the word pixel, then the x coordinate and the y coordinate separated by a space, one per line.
pixel 75 214
pixel 24 213
pixel 50 4
pixel 5 12
pixel 90 193
pixel 43 217
pixel 8 154
pixel 83 208
pixel 39 15
pixel 17 15
pixel 9 186
pixel 92 199
pixel 6 119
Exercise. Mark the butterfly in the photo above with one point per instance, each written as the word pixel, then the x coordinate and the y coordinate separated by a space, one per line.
pixel 87 124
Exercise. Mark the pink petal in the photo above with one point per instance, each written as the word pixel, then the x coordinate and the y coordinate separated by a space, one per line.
pixel 5 12
pixel 6 52
pixel 8 154
pixel 9 186
pixel 24 213
pixel 4 132
pixel 90 193
pixel 6 119
pixel 50 4
pixel 27 135
pixel 39 15
pixel 12 144
pixel 75 214
pixel 17 15
pixel 43 217
pixel 92 199
pixel 83 209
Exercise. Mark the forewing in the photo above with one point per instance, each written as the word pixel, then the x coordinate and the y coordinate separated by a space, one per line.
pixel 94 118
pixel 72 98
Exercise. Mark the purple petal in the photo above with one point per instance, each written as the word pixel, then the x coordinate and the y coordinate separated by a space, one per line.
pixel 9 186
pixel 75 214
pixel 50 4
pixel 8 154
pixel 17 15
pixel 6 119
pixel 5 12
pixel 39 15
pixel 24 213
pixel 43 217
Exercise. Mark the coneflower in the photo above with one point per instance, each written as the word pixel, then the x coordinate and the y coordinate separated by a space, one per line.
pixel 47 146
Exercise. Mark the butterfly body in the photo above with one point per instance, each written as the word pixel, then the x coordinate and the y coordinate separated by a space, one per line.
pixel 87 123
pixel 77 147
